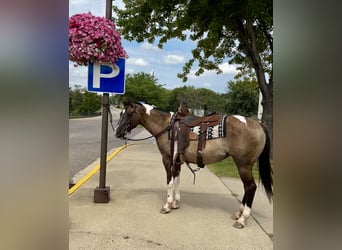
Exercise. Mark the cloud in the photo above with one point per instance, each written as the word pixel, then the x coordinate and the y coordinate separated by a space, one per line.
pixel 79 71
pixel 174 59
pixel 129 71
pixel 227 69
pixel 97 8
pixel 148 46
pixel 137 62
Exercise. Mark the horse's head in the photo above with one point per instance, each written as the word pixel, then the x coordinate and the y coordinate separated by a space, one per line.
pixel 129 118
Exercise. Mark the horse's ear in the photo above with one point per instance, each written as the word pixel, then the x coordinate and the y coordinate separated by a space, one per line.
pixel 183 109
pixel 128 104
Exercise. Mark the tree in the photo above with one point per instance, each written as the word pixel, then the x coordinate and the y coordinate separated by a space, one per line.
pixel 235 29
pixel 91 102
pixel 71 96
pixel 144 87
pixel 201 98
pixel 75 98
pixel 212 102
pixel 243 98
pixel 185 94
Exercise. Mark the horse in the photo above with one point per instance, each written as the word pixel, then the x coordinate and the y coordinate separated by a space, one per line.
pixel 246 140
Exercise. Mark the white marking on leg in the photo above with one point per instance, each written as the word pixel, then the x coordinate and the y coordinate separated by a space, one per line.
pixel 241 118
pixel 148 108
pixel 177 190
pixel 175 203
pixel 245 214
pixel 170 187
pixel 167 206
pixel 238 213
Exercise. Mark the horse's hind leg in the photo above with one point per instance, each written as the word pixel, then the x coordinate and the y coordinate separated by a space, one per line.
pixel 249 187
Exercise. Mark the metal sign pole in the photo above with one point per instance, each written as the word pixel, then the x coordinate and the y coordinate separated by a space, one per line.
pixel 102 193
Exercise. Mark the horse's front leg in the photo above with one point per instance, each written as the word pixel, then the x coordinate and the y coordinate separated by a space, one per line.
pixel 170 186
pixel 176 179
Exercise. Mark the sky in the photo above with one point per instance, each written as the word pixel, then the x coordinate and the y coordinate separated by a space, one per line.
pixel 165 63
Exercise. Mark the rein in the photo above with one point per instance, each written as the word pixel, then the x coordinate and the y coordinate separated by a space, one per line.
pixel 169 129
pixel 140 139
pixel 157 135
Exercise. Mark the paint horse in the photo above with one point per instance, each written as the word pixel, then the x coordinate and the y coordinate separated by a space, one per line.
pixel 246 141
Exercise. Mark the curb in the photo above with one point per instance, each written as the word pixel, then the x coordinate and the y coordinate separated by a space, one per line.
pixel 94 170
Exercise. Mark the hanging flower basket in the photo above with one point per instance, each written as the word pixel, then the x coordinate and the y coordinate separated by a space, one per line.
pixel 93 39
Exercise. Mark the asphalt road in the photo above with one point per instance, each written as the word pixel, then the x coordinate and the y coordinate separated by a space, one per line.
pixel 85 141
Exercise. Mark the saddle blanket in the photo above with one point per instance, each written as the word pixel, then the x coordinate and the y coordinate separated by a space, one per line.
pixel 213 132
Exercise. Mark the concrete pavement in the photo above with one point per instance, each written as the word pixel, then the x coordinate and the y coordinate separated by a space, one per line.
pixel 131 220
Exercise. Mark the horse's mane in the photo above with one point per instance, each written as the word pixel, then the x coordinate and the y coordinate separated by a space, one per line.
pixel 154 108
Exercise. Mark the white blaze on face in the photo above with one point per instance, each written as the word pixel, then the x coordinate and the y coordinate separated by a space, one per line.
pixel 148 108
pixel 240 118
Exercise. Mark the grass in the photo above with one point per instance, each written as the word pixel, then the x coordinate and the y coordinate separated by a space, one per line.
pixel 227 168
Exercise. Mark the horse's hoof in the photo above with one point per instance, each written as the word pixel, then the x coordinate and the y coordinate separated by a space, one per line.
pixel 175 205
pixel 238 225
pixel 234 217
pixel 163 210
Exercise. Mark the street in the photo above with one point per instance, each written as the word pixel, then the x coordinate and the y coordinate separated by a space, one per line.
pixel 85 141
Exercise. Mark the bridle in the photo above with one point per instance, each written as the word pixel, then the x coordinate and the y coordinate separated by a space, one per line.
pixel 128 125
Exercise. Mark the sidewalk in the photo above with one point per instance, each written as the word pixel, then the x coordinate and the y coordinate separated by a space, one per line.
pixel 131 219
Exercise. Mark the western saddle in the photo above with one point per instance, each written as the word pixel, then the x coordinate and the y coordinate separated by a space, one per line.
pixel 186 121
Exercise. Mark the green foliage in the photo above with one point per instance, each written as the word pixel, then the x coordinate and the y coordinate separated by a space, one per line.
pixel 243 98
pixel 200 98
pixel 241 31
pixel 212 101
pixel 145 87
pixel 82 102
pixel 216 26
pixel 75 99
pixel 91 102
pixel 227 168
pixel 187 94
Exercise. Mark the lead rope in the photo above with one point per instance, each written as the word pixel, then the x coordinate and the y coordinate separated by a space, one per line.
pixel 110 117
pixel 193 171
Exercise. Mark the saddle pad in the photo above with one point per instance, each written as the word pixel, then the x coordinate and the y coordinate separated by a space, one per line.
pixel 213 132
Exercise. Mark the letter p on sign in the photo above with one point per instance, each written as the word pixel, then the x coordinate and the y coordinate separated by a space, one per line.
pixel 107 78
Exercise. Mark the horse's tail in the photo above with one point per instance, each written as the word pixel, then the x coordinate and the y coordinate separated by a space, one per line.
pixel 265 169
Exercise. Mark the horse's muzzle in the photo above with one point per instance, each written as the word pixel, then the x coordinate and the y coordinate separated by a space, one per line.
pixel 119 135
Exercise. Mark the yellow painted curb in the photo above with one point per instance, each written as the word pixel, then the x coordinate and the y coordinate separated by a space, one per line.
pixel 94 170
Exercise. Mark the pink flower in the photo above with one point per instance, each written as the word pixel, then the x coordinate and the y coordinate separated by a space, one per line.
pixel 93 38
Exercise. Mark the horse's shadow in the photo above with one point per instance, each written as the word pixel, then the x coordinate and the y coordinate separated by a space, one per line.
pixel 190 200
pixel 208 201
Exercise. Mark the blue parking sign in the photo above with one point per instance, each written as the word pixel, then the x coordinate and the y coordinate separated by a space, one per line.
pixel 107 78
